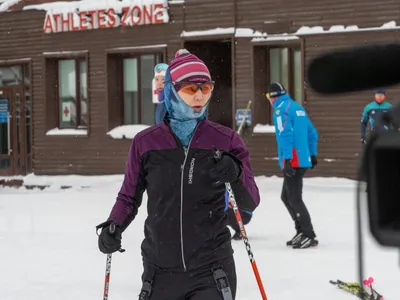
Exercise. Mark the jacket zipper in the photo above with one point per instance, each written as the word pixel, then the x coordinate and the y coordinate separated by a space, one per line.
pixel 182 183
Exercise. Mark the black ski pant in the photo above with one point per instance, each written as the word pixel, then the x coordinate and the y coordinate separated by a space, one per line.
pixel 246 217
pixel 206 283
pixel 292 197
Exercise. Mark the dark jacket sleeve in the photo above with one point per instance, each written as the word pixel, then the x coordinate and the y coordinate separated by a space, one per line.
pixel 245 188
pixel 364 121
pixel 130 195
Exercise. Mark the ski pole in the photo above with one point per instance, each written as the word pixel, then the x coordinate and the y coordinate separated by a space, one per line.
pixel 243 233
pixel 107 276
pixel 111 230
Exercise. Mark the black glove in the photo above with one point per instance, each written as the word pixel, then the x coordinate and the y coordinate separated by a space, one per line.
pixel 226 167
pixel 110 237
pixel 363 141
pixel 314 161
pixel 288 169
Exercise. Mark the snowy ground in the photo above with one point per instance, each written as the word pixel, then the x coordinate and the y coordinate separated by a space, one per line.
pixel 49 249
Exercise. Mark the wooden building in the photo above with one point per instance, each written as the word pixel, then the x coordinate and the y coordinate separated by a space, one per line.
pixel 74 74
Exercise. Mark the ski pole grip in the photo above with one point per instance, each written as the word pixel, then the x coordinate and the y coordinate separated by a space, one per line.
pixel 217 154
pixel 103 225
pixel 111 229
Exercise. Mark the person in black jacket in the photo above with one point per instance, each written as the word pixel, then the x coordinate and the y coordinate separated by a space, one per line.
pixel 187 251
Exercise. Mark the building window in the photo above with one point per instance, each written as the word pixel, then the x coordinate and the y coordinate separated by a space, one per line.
pixel 285 67
pixel 271 64
pixel 72 93
pixel 131 91
pixel 130 102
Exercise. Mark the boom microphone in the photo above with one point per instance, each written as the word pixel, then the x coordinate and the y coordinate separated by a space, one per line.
pixel 355 69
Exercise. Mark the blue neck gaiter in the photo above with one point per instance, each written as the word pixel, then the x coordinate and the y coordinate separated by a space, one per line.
pixel 183 119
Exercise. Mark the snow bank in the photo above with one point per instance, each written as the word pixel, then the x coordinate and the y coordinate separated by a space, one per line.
pixel 126 131
pixel 57 131
pixel 260 128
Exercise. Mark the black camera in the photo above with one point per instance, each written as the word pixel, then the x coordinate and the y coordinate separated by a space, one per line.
pixel 380 168
pixel 366 68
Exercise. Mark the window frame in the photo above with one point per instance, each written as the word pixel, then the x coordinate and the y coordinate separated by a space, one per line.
pixel 51 89
pixel 290 60
pixel 158 58
pixel 78 61
pixel 292 47
pixel 116 119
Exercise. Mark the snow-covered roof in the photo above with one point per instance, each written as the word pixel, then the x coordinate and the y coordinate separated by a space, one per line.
pixel 258 36
pixel 307 30
pixel 341 28
pixel 87 5
pixel 82 5
pixel 6 4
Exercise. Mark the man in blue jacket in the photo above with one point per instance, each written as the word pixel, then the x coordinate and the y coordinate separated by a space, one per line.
pixel 372 112
pixel 297 141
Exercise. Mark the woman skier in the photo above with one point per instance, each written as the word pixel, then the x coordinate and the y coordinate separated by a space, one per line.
pixel 187 251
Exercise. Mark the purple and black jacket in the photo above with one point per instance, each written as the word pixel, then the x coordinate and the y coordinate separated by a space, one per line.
pixel 186 223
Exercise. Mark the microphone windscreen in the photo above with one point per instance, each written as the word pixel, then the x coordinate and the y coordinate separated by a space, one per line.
pixel 355 69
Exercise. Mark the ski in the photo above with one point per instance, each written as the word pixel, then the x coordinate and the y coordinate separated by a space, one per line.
pixel 355 289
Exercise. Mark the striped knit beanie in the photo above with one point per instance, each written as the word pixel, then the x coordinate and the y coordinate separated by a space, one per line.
pixel 188 68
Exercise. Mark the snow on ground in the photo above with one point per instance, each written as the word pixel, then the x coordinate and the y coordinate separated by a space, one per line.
pixel 49 246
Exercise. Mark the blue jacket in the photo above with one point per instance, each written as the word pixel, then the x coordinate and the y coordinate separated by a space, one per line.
pixel 370 115
pixel 296 136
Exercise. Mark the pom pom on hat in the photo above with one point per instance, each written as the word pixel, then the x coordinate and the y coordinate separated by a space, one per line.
pixel 180 52
pixel 188 67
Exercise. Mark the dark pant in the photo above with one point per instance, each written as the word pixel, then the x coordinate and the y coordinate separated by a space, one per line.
pixel 246 217
pixel 191 285
pixel 292 197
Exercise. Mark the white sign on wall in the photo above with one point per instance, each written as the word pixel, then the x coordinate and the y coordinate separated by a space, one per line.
pixel 66 111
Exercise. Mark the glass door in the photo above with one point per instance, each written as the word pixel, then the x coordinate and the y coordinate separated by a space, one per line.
pixel 6 134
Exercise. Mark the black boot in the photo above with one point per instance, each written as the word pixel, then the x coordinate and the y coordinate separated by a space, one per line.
pixel 305 242
pixel 294 239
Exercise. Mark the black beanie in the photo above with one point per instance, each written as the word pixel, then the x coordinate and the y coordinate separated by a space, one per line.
pixel 275 90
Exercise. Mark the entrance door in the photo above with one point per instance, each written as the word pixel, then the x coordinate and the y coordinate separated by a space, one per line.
pixel 6 135
pixel 15 153
pixel 217 56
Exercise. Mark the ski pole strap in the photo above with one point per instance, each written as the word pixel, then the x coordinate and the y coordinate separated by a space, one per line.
pixel 222 284
pixel 146 291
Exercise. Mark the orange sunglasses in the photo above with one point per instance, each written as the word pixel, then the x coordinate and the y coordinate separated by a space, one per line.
pixel 191 88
